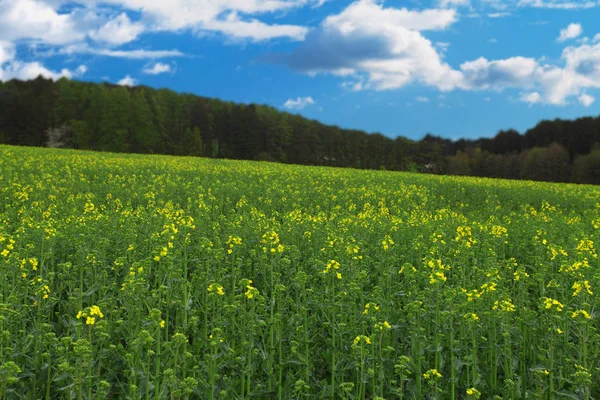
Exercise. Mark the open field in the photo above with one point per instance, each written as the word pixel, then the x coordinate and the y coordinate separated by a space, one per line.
pixel 143 277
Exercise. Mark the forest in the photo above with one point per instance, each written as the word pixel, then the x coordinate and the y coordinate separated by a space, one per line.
pixel 106 117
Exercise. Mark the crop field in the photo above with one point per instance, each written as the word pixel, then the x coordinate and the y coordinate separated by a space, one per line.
pixel 155 277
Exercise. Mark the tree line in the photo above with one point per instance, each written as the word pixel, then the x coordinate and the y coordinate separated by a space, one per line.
pixel 107 117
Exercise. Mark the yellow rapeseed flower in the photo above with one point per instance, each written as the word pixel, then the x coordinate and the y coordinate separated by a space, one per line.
pixel 582 313
pixel 432 374
pixel 95 310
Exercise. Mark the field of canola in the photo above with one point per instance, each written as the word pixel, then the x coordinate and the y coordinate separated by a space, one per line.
pixel 151 277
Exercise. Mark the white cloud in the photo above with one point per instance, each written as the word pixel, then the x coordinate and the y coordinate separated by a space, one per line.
pixel 570 32
pixel 372 15
pixel 90 26
pixel 381 48
pixel 596 38
pixel 7 52
pixel 531 98
pixel 31 70
pixel 586 100
pixel 216 16
pixel 558 4
pixel 127 81
pixel 118 30
pixel 499 14
pixel 554 84
pixel 31 19
pixel 257 31
pixel 10 68
pixel 483 74
pixel 82 69
pixel 156 69
pixel 131 54
pixel 453 3
pixel 299 103
pixel 422 99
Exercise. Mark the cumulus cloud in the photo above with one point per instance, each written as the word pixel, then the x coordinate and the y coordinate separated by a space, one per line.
pixel 232 18
pixel 531 98
pixel 127 81
pixel 382 48
pixel 100 27
pixel 570 32
pixel 31 70
pixel 299 103
pixel 553 84
pixel 586 100
pixel 7 52
pixel 156 69
pixel 11 68
pixel 38 20
pixel 483 74
pixel 118 30
pixel 234 27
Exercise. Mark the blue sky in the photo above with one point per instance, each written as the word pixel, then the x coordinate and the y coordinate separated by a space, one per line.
pixel 455 68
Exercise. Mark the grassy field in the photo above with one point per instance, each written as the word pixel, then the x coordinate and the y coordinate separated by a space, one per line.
pixel 147 277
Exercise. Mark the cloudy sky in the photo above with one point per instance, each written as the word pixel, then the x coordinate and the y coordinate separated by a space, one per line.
pixel 456 68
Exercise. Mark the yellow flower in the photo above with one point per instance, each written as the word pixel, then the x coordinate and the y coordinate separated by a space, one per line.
pixel 368 308
pixel 472 316
pixel 363 338
pixel 473 393
pixel 431 374
pixel 504 305
pixel 332 264
pixel 383 326
pixel 215 287
pixel 251 291
pixel 161 323
pixel 90 321
pixel 549 303
pixel 95 310
pixel 578 287
pixel 582 313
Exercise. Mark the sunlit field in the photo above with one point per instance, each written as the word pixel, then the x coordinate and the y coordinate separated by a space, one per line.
pixel 154 277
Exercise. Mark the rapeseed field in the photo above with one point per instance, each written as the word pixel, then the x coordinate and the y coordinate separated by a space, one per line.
pixel 155 277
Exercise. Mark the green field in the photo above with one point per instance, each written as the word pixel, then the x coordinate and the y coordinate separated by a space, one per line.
pixel 147 277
